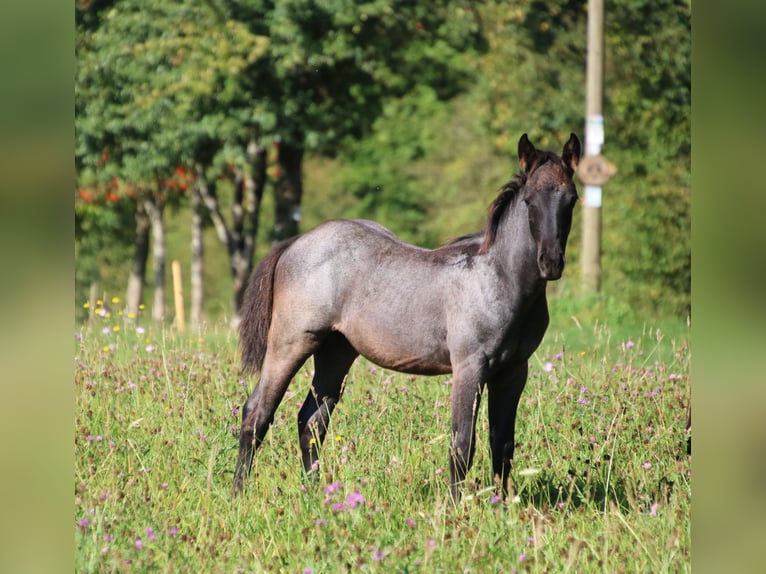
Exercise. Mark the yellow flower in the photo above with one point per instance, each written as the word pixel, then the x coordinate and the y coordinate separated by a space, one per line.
pixel 141 306
pixel 338 438
pixel 86 305
pixel 108 314
pixel 131 315
pixel 312 440
pixel 116 328
pixel 120 313
pixel 115 299
pixel 105 348
pixel 99 302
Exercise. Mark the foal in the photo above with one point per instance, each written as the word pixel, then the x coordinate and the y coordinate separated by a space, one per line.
pixel 475 308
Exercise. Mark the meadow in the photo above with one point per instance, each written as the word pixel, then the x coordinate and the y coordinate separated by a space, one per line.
pixel 602 480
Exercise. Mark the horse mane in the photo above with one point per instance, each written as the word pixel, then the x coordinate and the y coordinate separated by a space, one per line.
pixel 498 207
pixel 506 196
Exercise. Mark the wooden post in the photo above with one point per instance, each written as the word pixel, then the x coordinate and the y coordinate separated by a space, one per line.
pixel 594 138
pixel 178 296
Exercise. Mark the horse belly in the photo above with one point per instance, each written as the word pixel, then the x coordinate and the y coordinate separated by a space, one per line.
pixel 417 352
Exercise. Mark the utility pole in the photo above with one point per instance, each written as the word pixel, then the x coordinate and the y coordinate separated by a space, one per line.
pixel 594 170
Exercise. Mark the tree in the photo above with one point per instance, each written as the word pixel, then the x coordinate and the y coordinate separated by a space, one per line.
pixel 198 85
pixel 533 80
pixel 331 65
pixel 159 89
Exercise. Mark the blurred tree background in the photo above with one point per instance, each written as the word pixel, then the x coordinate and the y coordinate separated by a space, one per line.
pixel 253 120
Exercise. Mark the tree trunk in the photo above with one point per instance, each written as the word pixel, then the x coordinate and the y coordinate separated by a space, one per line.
pixel 246 207
pixel 154 208
pixel 288 192
pixel 246 212
pixel 137 277
pixel 197 262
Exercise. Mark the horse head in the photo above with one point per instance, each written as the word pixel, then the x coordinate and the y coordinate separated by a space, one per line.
pixel 549 195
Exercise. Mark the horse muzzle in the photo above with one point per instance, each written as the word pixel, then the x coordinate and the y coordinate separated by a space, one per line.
pixel 551 264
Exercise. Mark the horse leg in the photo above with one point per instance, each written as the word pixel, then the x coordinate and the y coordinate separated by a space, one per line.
pixel 279 367
pixel 331 363
pixel 504 394
pixel 466 396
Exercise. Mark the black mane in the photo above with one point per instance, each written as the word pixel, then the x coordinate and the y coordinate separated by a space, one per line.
pixel 498 207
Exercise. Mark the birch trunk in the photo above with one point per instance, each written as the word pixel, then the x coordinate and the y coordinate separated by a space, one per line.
pixel 240 239
pixel 154 208
pixel 137 276
pixel 197 263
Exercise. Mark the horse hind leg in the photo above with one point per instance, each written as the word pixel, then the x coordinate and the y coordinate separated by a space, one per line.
pixel 279 367
pixel 331 363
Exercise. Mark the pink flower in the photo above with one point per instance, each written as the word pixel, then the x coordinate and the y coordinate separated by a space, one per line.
pixel 354 498
pixel 646 465
pixel 410 522
pixel 333 487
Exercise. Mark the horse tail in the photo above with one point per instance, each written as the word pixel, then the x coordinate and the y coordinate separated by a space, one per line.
pixel 257 307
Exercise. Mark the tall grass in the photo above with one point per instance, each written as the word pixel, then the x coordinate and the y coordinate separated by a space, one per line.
pixel 601 477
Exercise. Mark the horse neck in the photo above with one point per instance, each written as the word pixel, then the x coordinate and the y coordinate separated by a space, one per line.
pixel 514 252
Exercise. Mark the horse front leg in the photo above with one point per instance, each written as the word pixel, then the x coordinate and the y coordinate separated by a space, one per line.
pixel 466 397
pixel 504 390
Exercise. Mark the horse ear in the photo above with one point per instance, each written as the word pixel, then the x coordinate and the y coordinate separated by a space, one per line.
pixel 571 154
pixel 526 153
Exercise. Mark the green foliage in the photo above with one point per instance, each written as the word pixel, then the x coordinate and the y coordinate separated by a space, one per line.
pixel 160 85
pixel 380 172
pixel 428 164
pixel 601 476
pixel 332 64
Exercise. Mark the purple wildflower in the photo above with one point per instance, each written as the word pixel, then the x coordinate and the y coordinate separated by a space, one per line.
pixel 138 544
pixel 378 555
pixel 646 465
pixel 630 345
pixel 354 498
pixel 84 522
pixel 410 522
pixel 151 535
pixel 333 487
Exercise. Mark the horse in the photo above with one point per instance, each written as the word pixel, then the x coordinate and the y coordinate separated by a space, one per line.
pixel 475 307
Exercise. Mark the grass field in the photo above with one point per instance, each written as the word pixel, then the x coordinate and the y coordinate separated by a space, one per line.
pixel 602 480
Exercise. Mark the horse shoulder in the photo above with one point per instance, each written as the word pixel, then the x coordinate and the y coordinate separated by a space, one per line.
pixel 534 326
